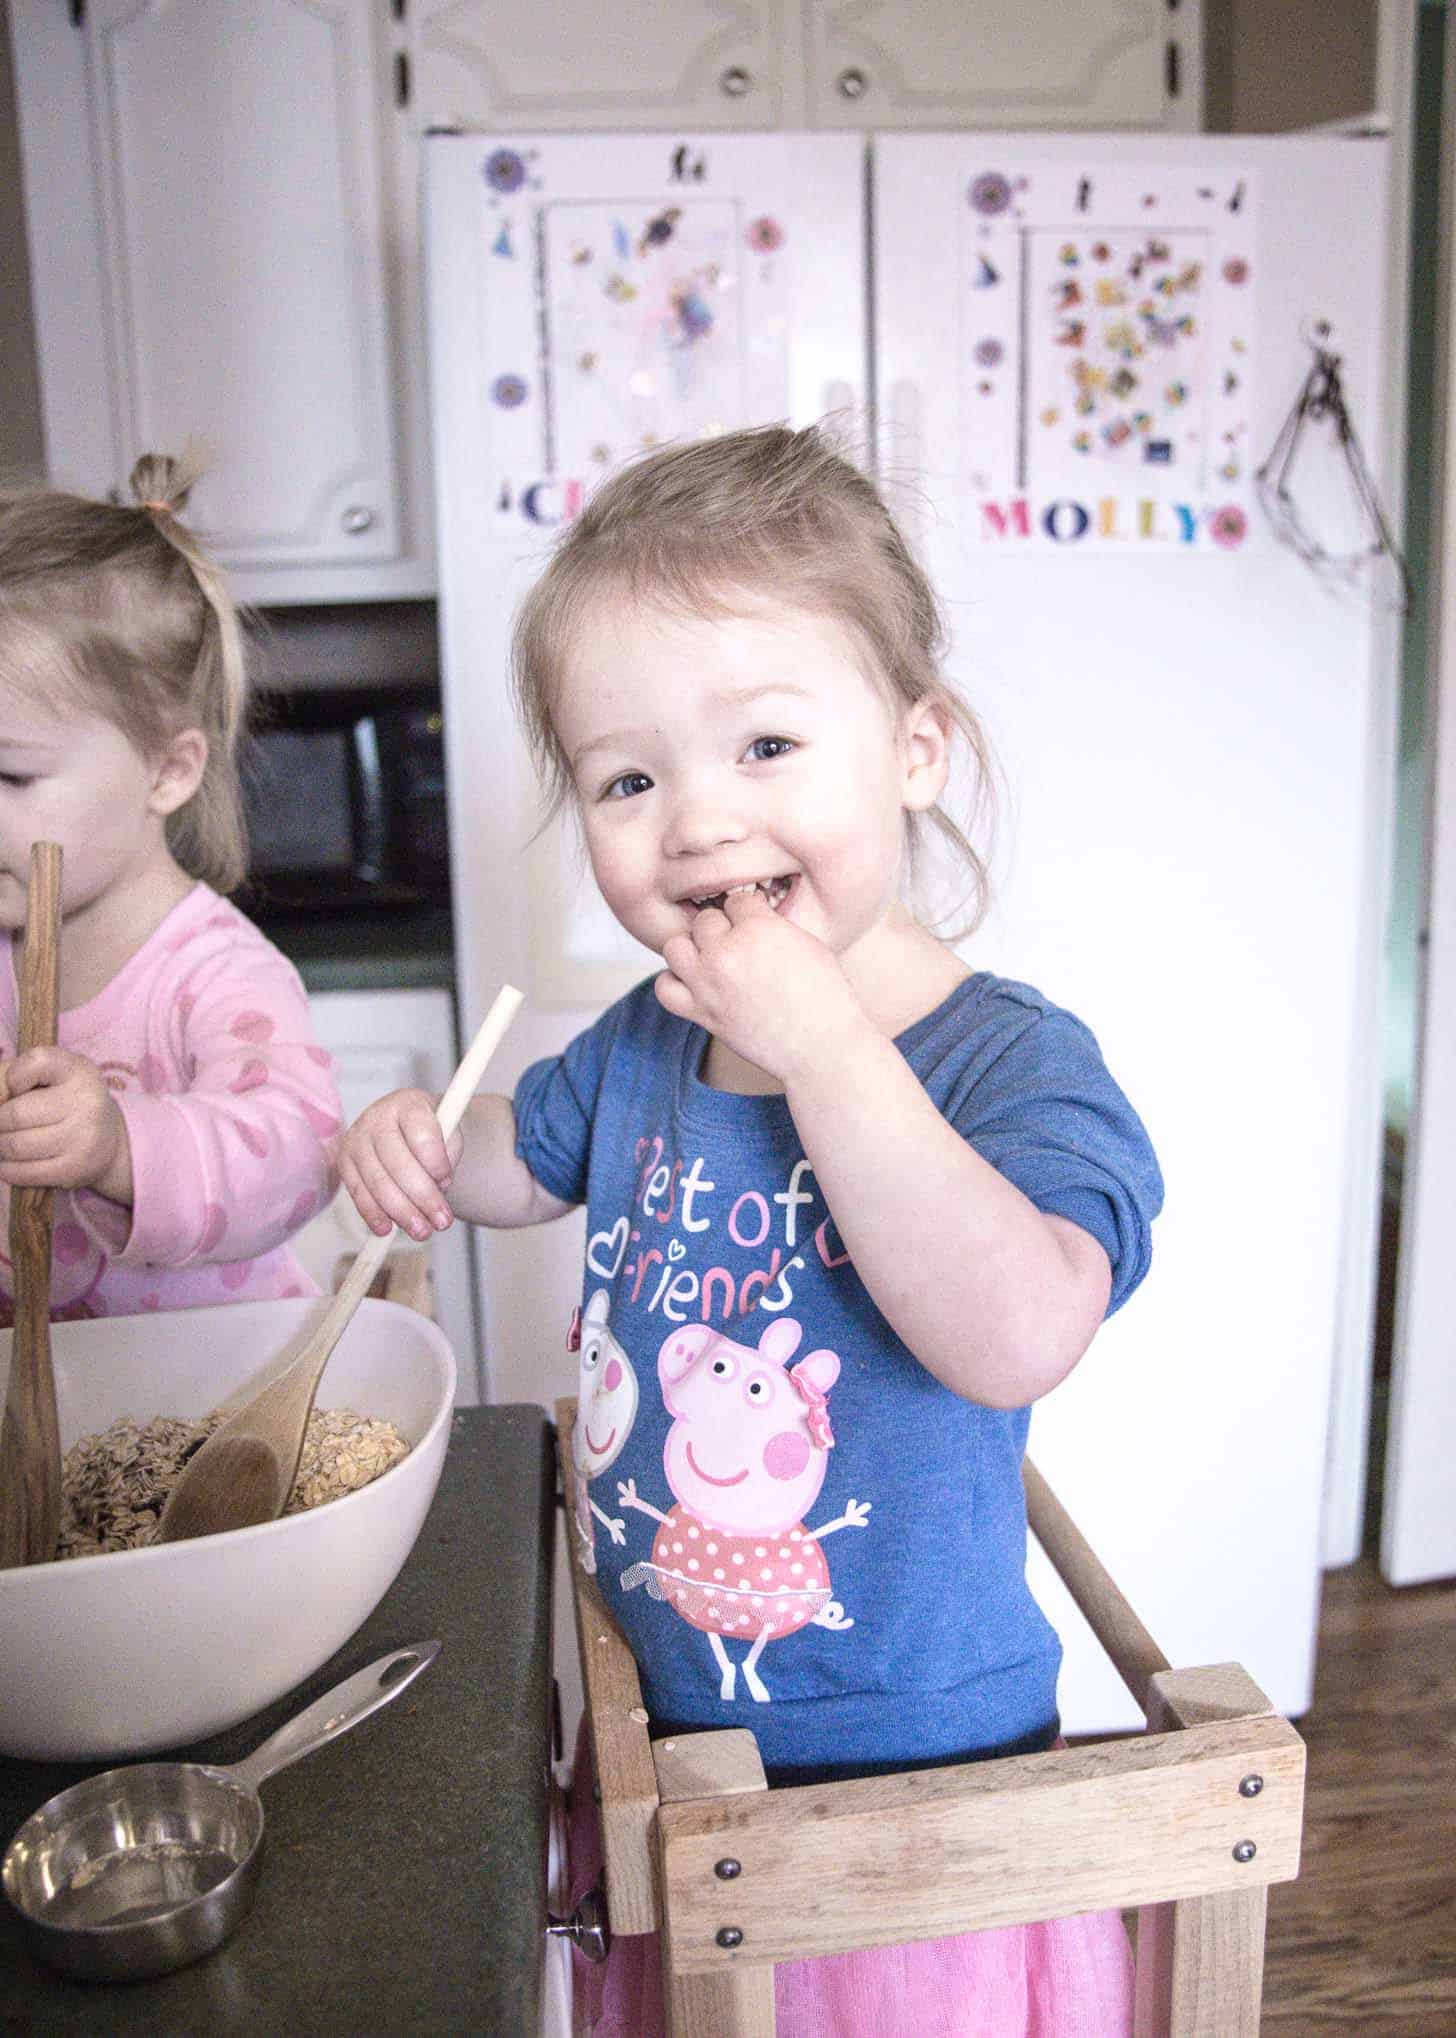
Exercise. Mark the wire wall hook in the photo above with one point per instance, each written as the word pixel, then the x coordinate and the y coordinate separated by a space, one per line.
pixel 1322 397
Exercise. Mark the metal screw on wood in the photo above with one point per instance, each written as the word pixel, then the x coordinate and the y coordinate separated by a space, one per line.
pixel 1245 1850
pixel 729 1936
pixel 735 81
pixel 1251 1786
pixel 853 84
pixel 726 1869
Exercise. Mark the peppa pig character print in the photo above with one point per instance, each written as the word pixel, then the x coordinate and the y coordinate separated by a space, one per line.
pixel 745 1459
pixel 606 1407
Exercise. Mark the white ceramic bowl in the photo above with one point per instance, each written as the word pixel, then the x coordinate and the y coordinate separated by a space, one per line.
pixel 121 1655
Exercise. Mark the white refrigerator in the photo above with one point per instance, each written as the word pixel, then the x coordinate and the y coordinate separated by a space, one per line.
pixel 1067 357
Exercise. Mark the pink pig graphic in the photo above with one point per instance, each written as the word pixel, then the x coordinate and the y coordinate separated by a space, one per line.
pixel 745 1459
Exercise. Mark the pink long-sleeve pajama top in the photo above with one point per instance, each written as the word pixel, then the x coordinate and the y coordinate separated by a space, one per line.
pixel 231 1110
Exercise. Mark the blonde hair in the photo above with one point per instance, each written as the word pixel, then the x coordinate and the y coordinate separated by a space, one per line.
pixel 119 610
pixel 714 525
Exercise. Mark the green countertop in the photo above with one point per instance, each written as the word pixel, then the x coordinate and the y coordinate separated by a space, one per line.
pixel 403 1889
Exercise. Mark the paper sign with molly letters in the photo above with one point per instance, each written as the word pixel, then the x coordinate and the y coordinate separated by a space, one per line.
pixel 1106 317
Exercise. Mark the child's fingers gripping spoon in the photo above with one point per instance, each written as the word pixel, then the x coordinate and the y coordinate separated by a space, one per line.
pixel 245 1470
pixel 30 1451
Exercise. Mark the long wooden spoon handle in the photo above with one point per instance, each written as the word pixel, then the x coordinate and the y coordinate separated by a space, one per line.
pixel 30 1448
pixel 40 963
pixel 467 1079
pixel 450 1110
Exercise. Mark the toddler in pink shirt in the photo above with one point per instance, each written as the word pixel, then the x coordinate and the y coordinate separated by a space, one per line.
pixel 185 1117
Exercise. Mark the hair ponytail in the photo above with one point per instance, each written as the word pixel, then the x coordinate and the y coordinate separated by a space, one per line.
pixel 121 608
pixel 209 830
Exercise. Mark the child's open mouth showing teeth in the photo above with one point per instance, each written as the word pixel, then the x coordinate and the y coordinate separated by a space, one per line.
pixel 774 889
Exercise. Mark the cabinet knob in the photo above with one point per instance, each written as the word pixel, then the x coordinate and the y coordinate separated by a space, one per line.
pixel 852 84
pixel 735 81
pixel 356 519
pixel 587 1927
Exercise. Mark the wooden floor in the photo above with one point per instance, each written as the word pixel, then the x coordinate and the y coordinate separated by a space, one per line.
pixel 1366 1938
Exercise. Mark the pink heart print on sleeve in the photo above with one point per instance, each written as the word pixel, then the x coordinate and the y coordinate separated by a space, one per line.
pixel 745 1459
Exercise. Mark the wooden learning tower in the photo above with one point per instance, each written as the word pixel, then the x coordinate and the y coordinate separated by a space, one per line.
pixel 1187 1824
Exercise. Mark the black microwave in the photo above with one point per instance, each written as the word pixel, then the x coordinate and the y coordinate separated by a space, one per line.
pixel 344 793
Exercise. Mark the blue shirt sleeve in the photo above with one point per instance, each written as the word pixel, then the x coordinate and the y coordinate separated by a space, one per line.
pixel 1046 1113
pixel 555 1104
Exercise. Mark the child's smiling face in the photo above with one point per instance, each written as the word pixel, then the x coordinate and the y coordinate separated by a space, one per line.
pixel 745 749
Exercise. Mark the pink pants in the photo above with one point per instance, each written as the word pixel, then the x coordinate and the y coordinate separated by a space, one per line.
pixel 1069 1978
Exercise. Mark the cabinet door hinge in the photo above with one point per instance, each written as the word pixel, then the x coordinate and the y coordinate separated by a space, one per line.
pixel 77 11
pixel 401 78
pixel 1172 70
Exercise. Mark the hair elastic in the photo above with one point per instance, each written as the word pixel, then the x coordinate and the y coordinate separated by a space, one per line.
pixel 158 508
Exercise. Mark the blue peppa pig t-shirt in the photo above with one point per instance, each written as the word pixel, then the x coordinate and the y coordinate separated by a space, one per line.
pixel 799 1529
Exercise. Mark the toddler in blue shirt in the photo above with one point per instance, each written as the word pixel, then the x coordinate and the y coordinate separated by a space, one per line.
pixel 851 1206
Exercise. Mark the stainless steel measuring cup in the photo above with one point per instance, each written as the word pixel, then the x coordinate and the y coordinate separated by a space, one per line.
pixel 142 1869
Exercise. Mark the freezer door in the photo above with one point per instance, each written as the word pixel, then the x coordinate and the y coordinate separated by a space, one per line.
pixel 1188 714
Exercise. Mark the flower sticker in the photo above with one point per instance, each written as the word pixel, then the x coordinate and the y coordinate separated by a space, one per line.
pixel 989 194
pixel 504 170
pixel 508 391
pixel 765 236
pixel 1228 527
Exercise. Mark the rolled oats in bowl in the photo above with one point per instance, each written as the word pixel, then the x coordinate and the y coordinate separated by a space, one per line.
pixel 157 1646
pixel 114 1484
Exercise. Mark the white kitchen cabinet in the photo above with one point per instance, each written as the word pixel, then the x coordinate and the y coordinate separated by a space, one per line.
pixel 643 64
pixel 1002 63
pixel 820 63
pixel 382 1041
pixel 210 193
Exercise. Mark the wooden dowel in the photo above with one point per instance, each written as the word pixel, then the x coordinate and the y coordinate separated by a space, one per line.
pixel 30 1445
pixel 1134 1654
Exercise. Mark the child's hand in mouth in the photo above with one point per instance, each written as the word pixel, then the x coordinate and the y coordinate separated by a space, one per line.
pixel 763 985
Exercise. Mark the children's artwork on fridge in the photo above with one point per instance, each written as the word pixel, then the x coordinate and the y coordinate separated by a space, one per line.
pixel 1106 318
pixel 617 324
pixel 641 318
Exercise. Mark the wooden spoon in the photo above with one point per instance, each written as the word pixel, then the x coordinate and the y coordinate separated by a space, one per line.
pixel 245 1471
pixel 30 1443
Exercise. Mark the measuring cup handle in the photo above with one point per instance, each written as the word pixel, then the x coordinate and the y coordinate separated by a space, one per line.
pixel 338 1710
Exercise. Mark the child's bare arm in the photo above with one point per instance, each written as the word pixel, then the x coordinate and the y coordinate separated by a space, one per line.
pixel 997 1298
pixel 395 1164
